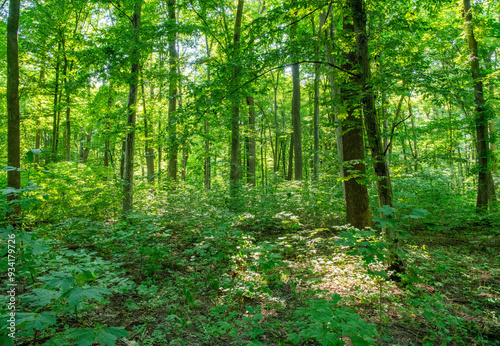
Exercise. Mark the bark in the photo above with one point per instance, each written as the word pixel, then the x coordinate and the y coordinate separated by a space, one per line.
pixel 276 155
pixel 107 151
pixel 68 114
pixel 172 102
pixel 384 188
pixel 414 137
pixel 148 151
pixel 13 130
pixel 335 92
pixel 55 130
pixel 86 150
pixel 296 121
pixel 485 187
pixel 234 178
pixel 207 179
pixel 128 169
pixel 358 211
pixel 251 159
pixel 316 109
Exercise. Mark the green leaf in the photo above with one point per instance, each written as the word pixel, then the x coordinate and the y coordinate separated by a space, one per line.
pixel 42 321
pixel 9 168
pixel 43 297
pixel 30 156
pixel 105 336
pixel 77 294
pixel 387 210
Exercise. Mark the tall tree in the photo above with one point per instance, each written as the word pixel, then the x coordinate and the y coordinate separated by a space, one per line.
pixel 296 120
pixel 13 136
pixel 172 102
pixel 485 186
pixel 357 203
pixel 128 169
pixel 384 188
pixel 234 176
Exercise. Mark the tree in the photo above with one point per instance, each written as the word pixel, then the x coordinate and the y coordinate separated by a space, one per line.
pixel 234 177
pixel 13 136
pixel 356 193
pixel 172 102
pixel 128 169
pixel 485 186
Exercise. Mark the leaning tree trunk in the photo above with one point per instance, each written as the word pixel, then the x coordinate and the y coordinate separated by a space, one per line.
pixel 485 187
pixel 128 166
pixel 13 130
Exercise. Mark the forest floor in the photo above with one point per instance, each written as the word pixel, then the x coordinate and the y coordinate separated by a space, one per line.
pixel 192 272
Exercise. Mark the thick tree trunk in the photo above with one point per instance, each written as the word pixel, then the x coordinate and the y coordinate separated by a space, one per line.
pixel 128 168
pixel 358 211
pixel 384 188
pixel 251 159
pixel 13 129
pixel 172 102
pixel 485 187
pixel 234 176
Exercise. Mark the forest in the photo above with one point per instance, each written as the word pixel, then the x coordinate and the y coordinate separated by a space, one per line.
pixel 249 172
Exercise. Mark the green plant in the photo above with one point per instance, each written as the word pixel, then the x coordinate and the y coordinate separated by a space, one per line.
pixel 330 324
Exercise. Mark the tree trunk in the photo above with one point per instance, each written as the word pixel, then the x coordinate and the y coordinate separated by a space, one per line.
pixel 13 130
pixel 148 152
pixel 56 95
pixel 251 142
pixel 485 187
pixel 128 169
pixel 234 177
pixel 335 92
pixel 207 179
pixel 172 102
pixel 384 188
pixel 68 113
pixel 296 121
pixel 358 211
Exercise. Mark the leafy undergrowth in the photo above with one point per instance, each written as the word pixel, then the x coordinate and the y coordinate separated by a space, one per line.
pixel 191 271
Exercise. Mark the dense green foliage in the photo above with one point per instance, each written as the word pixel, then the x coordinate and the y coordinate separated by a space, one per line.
pixel 270 260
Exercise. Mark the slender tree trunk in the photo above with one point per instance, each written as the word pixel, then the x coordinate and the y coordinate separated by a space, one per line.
pixel 68 113
pixel 172 103
pixel 276 125
pixel 107 149
pixel 207 179
pixel 486 190
pixel 86 150
pixel 296 120
pixel 290 158
pixel 251 142
pixel 335 92
pixel 414 136
pixel 38 136
pixel 13 129
pixel 56 96
pixel 234 177
pixel 148 151
pixel 128 169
